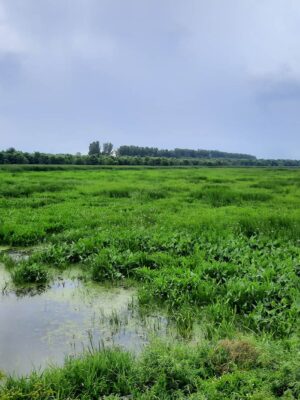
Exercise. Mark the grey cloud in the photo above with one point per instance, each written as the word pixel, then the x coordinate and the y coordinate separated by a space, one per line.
pixel 278 88
pixel 204 74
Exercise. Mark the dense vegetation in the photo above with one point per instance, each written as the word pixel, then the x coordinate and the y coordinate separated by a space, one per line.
pixel 218 249
pixel 134 155
pixel 179 153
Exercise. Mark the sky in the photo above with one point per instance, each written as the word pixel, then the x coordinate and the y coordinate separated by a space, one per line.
pixel 213 74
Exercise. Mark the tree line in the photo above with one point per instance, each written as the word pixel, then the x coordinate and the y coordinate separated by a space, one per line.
pixel 12 156
pixel 179 153
pixel 137 155
pixel 139 151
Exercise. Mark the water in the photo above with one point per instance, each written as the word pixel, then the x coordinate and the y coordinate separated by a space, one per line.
pixel 38 328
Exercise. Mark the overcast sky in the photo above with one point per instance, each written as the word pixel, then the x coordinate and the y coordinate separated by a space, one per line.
pixel 213 74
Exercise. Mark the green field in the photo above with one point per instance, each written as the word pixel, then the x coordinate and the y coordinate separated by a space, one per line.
pixel 216 249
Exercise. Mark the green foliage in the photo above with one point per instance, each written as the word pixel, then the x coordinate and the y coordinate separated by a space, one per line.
pixel 94 149
pixel 220 196
pixel 26 272
pixel 178 153
pixel 217 249
pixel 135 155
pixel 228 369
pixel 107 148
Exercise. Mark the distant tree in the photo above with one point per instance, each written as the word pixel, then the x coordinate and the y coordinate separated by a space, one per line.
pixel 94 149
pixel 133 151
pixel 107 148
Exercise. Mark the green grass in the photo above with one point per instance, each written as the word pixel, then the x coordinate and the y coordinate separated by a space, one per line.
pixel 29 273
pixel 216 248
pixel 227 369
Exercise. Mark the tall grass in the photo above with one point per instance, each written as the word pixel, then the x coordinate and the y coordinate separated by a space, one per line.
pixel 225 369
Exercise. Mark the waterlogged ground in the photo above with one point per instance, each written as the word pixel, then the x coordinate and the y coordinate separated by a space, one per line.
pixel 215 252
pixel 42 325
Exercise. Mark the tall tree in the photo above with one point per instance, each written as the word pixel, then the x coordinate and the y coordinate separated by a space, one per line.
pixel 94 148
pixel 107 148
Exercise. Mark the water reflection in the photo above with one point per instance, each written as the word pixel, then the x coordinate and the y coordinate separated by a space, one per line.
pixel 43 325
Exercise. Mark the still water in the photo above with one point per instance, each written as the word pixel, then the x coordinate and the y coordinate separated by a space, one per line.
pixel 40 328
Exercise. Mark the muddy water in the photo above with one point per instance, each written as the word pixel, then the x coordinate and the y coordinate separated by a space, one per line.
pixel 69 316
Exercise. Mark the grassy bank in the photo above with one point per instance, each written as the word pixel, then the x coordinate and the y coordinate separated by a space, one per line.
pixel 227 369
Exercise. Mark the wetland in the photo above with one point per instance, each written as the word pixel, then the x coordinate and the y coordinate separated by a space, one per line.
pixel 157 283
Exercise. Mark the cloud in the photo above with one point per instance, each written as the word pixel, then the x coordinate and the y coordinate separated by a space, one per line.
pixel 169 73
pixel 11 41
pixel 277 88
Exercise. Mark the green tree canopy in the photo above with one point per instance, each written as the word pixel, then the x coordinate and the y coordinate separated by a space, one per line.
pixel 94 148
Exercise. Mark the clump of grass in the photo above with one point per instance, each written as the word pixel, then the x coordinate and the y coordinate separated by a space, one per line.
pixel 26 272
pixel 216 197
pixel 26 189
pixel 197 178
pixel 220 196
pixel 118 193
pixel 166 370
pixel 255 196
pixel 271 185
pixel 8 261
pixel 111 264
pixel 231 353
pixel 91 376
pixel 106 265
pixel 157 194
pixel 276 225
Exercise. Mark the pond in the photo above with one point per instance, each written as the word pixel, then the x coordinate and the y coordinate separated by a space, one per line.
pixel 40 327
